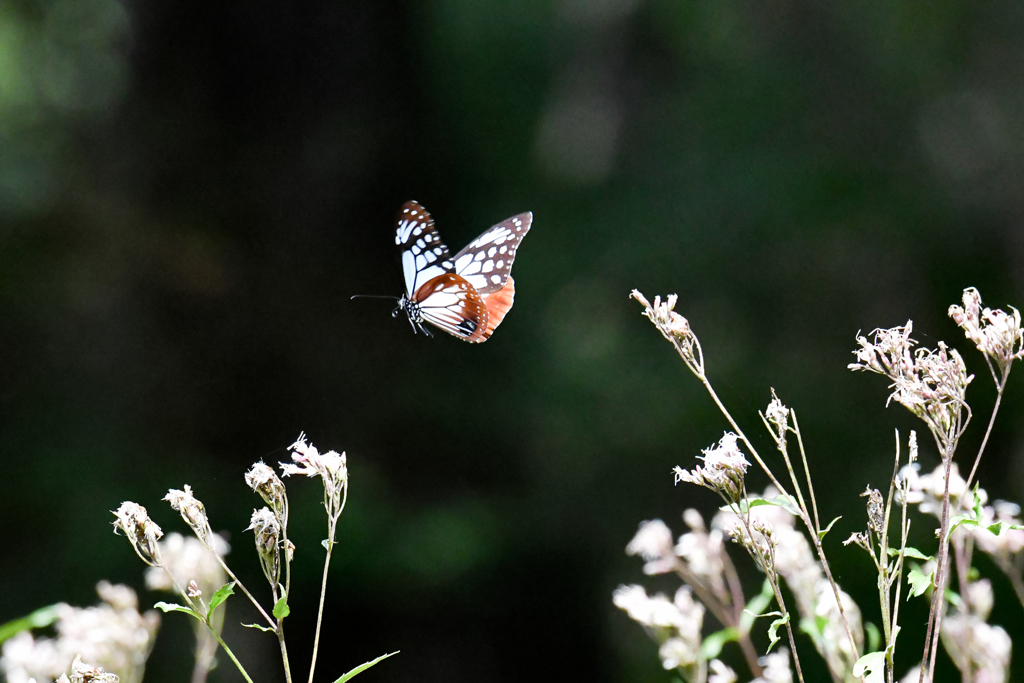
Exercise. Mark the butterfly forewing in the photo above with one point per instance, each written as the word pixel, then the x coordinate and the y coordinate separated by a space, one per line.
pixel 453 304
pixel 487 261
pixel 424 255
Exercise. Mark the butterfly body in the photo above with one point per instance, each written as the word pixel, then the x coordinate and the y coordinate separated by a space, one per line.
pixel 466 295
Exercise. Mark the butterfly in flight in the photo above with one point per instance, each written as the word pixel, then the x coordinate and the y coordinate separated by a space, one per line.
pixel 467 295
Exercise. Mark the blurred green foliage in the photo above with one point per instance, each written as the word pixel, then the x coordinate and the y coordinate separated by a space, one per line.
pixel 190 192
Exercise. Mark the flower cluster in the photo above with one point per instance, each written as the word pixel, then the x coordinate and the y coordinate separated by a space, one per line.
pixel 997 334
pixel 674 328
pixel 112 635
pixel 676 624
pixel 724 469
pixel 932 384
pixel 331 467
pixel 776 536
pixel 980 650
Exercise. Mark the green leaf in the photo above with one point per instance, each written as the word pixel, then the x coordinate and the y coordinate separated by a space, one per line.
pixel 363 667
pixel 918 581
pixel 953 598
pixel 41 618
pixel 757 604
pixel 222 594
pixel 747 504
pixel 281 608
pixel 911 552
pixel 172 607
pixel 821 534
pixel 892 643
pixel 815 628
pixel 873 634
pixel 773 635
pixel 962 519
pixel 872 667
pixel 712 645
pixel 262 628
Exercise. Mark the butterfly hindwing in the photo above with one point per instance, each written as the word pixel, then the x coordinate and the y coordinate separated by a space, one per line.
pixel 487 261
pixel 451 303
pixel 424 255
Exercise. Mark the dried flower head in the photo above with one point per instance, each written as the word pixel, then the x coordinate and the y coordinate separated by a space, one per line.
pixel 932 384
pixel 85 673
pixel 192 511
pixel 723 471
pixel 876 509
pixel 141 531
pixel 997 334
pixel 674 328
pixel 262 479
pixel 331 467
pixel 267 530
pixel 777 415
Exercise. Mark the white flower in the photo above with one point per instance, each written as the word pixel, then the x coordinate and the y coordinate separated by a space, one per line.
pixel 723 471
pixel 676 653
pixel 188 559
pixel 703 552
pixel 776 668
pixel 331 467
pixel 982 647
pixel 720 673
pixel 112 635
pixel 926 490
pixel 653 542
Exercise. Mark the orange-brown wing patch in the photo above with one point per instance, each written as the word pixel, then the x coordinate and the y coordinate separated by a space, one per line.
pixel 498 304
pixel 449 302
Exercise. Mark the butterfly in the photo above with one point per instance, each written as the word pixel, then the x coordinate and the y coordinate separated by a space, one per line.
pixel 467 295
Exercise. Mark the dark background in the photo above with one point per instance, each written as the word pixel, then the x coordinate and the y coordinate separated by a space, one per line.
pixel 191 191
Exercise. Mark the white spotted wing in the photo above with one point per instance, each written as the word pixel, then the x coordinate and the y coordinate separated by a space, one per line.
pixel 467 296
pixel 487 261
pixel 424 255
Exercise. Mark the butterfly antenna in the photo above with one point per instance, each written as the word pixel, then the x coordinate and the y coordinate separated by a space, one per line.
pixel 372 296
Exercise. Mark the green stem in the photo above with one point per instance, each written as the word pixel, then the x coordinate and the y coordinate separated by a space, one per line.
pixel 320 611
pixel 231 655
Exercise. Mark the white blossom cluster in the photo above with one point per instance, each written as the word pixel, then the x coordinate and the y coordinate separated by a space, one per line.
pixel 112 635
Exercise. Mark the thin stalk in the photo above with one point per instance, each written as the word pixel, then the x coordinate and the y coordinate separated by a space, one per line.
pixel 807 471
pixel 232 656
pixel 227 570
pixel 1000 386
pixel 320 611
pixel 332 525
pixel 935 612
pixel 739 603
pixel 816 537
